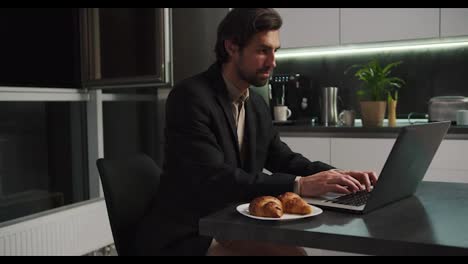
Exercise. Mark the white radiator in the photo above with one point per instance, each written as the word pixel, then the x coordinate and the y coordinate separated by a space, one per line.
pixel 76 230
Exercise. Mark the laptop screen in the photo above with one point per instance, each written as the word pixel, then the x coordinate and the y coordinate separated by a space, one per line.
pixel 404 169
pixel 407 163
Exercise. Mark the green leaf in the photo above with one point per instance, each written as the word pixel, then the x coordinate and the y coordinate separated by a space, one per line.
pixel 377 84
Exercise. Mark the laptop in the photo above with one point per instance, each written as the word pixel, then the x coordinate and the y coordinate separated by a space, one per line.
pixel 404 169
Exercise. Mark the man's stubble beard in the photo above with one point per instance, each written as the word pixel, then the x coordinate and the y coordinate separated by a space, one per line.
pixel 252 79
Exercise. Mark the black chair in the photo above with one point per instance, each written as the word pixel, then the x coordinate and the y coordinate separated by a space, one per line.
pixel 129 187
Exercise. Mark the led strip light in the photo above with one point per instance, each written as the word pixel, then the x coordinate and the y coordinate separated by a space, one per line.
pixel 298 53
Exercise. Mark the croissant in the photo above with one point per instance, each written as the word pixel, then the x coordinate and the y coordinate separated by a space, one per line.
pixel 266 206
pixel 294 204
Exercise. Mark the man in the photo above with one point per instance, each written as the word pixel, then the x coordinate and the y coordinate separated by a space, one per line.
pixel 219 137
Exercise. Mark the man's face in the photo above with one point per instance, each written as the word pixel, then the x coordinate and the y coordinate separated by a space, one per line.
pixel 256 61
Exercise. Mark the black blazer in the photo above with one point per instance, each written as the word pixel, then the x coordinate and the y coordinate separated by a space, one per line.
pixel 203 171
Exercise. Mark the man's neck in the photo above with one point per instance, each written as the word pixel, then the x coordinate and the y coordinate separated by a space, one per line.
pixel 230 73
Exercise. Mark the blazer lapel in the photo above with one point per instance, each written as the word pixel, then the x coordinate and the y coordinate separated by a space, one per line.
pixel 227 109
pixel 250 137
pixel 225 102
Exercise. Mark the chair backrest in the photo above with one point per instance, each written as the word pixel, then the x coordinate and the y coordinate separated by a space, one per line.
pixel 129 187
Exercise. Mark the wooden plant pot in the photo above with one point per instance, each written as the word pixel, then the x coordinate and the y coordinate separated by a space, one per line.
pixel 373 113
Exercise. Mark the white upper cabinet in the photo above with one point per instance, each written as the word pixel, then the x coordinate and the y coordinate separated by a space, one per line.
pixel 454 22
pixel 385 24
pixel 306 27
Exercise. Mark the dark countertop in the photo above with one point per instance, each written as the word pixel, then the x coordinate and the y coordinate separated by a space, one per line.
pixel 310 129
pixel 433 222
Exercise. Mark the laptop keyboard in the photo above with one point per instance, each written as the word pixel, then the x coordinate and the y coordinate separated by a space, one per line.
pixel 354 199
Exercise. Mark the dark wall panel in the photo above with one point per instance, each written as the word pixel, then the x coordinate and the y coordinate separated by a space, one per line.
pixel 427 73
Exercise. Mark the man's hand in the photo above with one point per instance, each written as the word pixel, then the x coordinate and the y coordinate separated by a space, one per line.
pixel 336 181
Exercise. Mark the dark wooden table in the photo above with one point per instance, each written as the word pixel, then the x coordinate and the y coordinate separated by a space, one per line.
pixel 433 222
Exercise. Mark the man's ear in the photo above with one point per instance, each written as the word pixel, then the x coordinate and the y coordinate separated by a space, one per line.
pixel 230 47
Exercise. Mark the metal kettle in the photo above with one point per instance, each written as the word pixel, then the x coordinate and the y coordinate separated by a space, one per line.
pixel 328 105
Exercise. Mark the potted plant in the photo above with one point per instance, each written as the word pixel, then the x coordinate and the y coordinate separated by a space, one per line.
pixel 378 88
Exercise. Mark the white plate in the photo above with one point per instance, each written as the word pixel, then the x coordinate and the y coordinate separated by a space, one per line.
pixel 244 209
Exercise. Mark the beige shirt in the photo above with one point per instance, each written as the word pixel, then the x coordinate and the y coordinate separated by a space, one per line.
pixel 238 99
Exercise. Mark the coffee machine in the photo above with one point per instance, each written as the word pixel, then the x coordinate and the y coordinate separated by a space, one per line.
pixel 279 84
pixel 290 90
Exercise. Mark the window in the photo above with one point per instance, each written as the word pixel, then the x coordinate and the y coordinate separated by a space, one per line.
pixel 50 138
pixel 43 150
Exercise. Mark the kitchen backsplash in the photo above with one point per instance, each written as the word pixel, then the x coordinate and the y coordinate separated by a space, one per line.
pixel 427 73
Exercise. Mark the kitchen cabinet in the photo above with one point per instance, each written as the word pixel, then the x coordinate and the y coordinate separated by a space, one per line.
pixel 449 163
pixel 385 24
pixel 315 149
pixel 359 153
pixel 453 22
pixel 308 27
pixel 124 46
pixel 76 47
pixel 305 27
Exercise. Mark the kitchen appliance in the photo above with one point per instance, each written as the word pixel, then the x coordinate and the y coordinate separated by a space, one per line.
pixel 279 85
pixel 462 117
pixel 328 105
pixel 290 90
pixel 444 108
